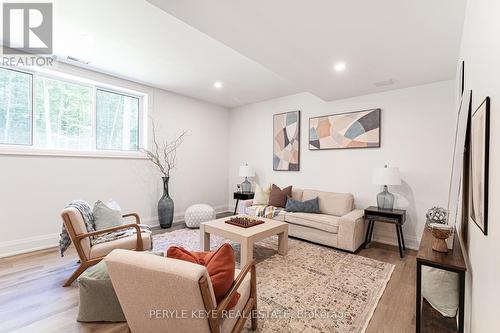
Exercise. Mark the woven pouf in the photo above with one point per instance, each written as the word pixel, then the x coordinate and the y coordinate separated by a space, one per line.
pixel 198 213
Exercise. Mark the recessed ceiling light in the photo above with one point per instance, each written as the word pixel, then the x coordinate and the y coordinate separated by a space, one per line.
pixel 217 85
pixel 339 67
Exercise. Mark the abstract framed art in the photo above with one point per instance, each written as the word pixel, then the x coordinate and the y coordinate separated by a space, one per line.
pixel 286 141
pixel 360 129
pixel 479 165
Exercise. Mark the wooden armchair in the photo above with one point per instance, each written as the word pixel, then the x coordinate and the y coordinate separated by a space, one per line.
pixel 159 295
pixel 90 255
pixel 216 321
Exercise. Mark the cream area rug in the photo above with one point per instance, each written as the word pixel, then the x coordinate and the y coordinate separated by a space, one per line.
pixel 311 289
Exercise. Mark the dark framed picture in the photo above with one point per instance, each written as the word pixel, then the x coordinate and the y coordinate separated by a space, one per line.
pixel 360 129
pixel 286 141
pixel 479 165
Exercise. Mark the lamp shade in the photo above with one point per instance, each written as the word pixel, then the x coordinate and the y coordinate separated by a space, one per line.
pixel 386 176
pixel 246 171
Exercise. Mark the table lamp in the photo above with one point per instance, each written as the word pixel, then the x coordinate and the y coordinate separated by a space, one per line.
pixel 246 171
pixel 386 176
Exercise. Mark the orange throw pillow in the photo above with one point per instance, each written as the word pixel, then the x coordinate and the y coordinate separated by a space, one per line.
pixel 220 266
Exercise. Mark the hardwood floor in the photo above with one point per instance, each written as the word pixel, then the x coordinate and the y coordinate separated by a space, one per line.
pixel 32 299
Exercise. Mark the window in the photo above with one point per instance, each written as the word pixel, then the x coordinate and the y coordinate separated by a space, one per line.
pixel 54 113
pixel 117 121
pixel 15 107
pixel 63 117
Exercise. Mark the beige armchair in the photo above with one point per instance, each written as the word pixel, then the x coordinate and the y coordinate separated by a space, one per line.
pixel 160 294
pixel 91 255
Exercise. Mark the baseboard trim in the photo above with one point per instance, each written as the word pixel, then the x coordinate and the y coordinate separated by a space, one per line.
pixel 411 242
pixel 29 244
pixel 36 243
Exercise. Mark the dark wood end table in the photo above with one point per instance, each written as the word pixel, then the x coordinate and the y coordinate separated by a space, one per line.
pixel 241 196
pixel 394 216
pixel 453 261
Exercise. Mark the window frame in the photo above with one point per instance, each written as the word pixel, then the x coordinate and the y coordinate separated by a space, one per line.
pixel 31 149
pixel 139 118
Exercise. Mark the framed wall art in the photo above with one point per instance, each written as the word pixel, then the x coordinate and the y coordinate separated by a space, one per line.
pixel 479 162
pixel 360 129
pixel 286 141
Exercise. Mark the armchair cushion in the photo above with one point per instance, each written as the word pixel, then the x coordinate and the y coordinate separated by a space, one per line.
pixel 220 265
pixel 229 321
pixel 127 243
pixel 147 285
pixel 72 216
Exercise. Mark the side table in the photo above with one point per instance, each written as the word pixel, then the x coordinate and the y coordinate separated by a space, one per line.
pixel 241 196
pixel 394 216
pixel 453 261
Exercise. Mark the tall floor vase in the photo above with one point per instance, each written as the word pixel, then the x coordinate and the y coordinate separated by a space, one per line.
pixel 165 207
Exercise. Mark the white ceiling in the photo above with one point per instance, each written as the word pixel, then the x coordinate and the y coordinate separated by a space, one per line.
pixel 135 40
pixel 264 49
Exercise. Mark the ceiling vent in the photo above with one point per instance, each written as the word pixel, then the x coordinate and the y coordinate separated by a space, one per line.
pixel 78 60
pixel 384 83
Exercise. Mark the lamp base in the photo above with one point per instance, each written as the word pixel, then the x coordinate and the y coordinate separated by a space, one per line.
pixel 385 199
pixel 246 186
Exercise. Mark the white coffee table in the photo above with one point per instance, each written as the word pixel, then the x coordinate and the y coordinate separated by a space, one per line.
pixel 245 236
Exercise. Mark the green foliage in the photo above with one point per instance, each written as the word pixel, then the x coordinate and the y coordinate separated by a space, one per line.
pixel 15 107
pixel 64 114
pixel 117 121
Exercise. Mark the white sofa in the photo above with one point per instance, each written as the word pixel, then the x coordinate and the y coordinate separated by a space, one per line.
pixel 339 225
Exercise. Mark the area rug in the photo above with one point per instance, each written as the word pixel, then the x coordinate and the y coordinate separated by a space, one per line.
pixel 311 289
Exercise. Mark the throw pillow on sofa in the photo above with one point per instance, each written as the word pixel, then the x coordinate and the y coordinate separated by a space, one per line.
pixel 107 215
pixel 307 206
pixel 278 197
pixel 261 196
pixel 220 265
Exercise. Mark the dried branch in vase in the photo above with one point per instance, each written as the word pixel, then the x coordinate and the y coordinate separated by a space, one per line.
pixel 164 155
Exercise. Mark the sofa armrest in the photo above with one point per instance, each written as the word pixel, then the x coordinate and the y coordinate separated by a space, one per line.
pixel 351 230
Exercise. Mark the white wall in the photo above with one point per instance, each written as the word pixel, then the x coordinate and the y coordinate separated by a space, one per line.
pixel 480 50
pixel 417 136
pixel 33 189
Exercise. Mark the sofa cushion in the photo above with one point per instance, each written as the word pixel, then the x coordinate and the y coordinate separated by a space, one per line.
pixel 308 206
pixel 297 193
pixel 331 203
pixel 277 197
pixel 323 222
